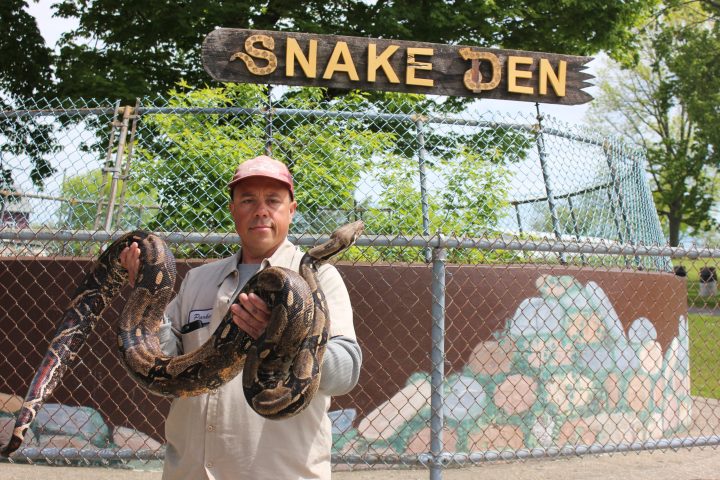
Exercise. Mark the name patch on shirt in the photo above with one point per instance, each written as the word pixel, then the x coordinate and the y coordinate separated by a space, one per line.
pixel 202 316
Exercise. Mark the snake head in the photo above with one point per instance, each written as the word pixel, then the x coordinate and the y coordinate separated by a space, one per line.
pixel 340 240
pixel 348 233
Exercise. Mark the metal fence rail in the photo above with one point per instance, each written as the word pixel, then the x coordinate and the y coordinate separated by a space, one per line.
pixel 513 294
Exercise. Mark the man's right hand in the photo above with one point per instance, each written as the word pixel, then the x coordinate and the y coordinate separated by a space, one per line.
pixel 130 260
pixel 252 314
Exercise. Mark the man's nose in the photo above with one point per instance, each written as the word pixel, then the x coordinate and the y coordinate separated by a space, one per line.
pixel 262 210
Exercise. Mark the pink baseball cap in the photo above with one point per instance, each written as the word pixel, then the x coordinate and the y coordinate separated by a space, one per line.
pixel 263 166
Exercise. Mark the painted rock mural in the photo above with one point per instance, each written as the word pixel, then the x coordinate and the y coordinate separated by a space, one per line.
pixel 562 372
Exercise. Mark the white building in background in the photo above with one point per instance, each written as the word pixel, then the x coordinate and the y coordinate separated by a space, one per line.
pixel 16 210
pixel 15 213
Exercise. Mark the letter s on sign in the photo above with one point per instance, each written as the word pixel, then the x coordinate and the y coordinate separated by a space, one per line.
pixel 269 44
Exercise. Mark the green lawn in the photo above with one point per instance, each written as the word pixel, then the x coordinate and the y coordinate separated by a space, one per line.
pixel 704 355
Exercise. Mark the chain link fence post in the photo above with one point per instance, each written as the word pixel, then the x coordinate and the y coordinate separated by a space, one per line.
pixel 437 378
pixel 268 121
pixel 423 185
pixel 125 166
pixel 114 126
pixel 546 181
pixel 609 151
pixel 573 217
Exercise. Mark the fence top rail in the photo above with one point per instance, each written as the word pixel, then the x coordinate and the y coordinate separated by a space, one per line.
pixel 56 112
pixel 250 111
pixel 502 242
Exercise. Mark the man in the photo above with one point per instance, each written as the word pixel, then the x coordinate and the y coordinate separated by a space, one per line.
pixel 217 435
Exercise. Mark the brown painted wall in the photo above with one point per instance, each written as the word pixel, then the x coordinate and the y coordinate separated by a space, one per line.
pixel 392 306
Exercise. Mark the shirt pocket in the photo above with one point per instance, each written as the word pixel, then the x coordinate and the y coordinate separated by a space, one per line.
pixel 193 340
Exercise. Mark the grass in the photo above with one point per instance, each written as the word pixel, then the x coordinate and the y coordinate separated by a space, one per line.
pixel 704 355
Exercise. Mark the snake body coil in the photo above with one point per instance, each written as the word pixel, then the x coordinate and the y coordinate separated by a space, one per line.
pixel 281 369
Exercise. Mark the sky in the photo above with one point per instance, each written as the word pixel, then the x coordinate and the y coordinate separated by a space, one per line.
pixel 51 28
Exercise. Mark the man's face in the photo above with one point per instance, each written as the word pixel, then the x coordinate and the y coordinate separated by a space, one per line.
pixel 262 211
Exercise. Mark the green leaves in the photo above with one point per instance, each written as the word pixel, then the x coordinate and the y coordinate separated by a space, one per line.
pixel 144 51
pixel 25 72
pixel 345 166
pixel 668 104
pixel 24 58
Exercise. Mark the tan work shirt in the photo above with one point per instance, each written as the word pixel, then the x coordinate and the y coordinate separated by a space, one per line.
pixel 217 435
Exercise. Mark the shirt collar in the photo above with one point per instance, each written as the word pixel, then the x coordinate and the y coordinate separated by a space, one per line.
pixel 230 266
pixel 282 256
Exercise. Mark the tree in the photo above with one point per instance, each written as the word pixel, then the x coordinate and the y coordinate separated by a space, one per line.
pixel 79 208
pixel 465 200
pixel 82 194
pixel 125 49
pixel 128 49
pixel 25 71
pixel 345 167
pixel 184 161
pixel 659 105
pixel 25 60
pixel 694 59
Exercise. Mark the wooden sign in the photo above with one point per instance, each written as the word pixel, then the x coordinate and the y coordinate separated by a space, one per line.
pixel 286 58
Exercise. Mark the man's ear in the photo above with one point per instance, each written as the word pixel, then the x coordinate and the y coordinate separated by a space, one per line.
pixel 293 208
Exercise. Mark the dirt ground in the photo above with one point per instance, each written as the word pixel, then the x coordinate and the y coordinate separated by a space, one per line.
pixel 684 464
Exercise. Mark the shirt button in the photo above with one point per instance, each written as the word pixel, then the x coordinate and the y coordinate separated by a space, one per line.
pixel 209 465
pixel 210 428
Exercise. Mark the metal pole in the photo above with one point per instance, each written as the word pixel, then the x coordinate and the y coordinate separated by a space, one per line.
pixel 460 459
pixel 575 226
pixel 546 180
pixel 3 200
pixel 518 218
pixel 125 168
pixel 614 179
pixel 655 234
pixel 127 111
pixel 268 124
pixel 423 185
pixel 437 356
pixel 114 124
pixel 310 240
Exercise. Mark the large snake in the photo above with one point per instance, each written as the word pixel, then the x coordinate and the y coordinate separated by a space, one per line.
pixel 281 369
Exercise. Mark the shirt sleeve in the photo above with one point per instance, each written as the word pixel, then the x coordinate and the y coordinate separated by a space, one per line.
pixel 340 370
pixel 341 366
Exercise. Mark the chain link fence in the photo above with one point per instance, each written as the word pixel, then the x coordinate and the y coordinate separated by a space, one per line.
pixel 512 293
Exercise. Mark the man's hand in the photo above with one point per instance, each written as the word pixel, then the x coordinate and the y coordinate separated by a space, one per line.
pixel 130 260
pixel 251 315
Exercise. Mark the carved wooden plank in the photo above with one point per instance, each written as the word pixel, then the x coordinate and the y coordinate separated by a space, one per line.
pixel 302 59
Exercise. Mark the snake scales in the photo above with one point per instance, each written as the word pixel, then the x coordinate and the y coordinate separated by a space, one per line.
pixel 281 369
